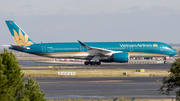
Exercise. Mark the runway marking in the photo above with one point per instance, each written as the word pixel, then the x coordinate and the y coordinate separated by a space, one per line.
pixel 113 81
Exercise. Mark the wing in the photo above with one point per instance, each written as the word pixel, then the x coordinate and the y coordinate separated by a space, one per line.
pixel 98 51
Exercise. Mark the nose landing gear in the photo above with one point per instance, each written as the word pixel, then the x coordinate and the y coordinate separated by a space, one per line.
pixel 165 62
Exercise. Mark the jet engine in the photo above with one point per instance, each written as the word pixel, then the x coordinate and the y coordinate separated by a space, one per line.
pixel 120 57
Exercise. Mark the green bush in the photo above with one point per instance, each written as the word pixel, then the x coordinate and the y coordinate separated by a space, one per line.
pixel 12 86
pixel 11 78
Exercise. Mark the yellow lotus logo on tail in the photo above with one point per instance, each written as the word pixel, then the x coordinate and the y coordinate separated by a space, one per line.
pixel 20 39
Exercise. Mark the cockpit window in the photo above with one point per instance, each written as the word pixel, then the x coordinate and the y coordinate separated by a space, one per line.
pixel 170 47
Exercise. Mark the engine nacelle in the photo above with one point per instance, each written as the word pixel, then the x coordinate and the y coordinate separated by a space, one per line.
pixel 120 57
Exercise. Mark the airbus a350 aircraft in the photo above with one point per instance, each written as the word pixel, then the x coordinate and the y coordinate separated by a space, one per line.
pixel 93 52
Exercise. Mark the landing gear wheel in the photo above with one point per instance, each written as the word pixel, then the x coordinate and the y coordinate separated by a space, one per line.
pixel 165 62
pixel 98 63
pixel 92 63
pixel 86 63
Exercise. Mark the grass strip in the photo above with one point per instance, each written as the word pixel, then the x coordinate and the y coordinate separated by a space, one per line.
pixel 95 73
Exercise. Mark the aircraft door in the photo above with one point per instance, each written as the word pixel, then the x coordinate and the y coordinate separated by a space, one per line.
pixel 81 48
pixel 161 48
pixel 131 48
pixel 43 48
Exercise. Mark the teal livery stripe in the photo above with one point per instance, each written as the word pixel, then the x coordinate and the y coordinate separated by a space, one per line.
pixel 62 53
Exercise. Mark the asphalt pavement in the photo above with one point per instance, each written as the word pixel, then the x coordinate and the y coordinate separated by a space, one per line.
pixel 102 87
pixel 103 66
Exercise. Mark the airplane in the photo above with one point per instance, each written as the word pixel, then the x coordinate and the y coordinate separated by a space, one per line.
pixel 93 52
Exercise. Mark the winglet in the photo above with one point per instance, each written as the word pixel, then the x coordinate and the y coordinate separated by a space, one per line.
pixel 84 45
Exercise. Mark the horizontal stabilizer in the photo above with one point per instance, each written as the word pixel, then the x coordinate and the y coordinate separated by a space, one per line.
pixel 6 45
pixel 19 47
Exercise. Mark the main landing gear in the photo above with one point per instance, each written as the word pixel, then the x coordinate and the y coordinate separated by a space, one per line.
pixel 92 63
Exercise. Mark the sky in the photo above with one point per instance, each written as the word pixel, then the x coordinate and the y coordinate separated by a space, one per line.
pixel 92 20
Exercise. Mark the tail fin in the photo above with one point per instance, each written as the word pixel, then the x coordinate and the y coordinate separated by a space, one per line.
pixel 19 36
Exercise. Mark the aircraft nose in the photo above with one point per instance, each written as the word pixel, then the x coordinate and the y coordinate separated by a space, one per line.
pixel 174 52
